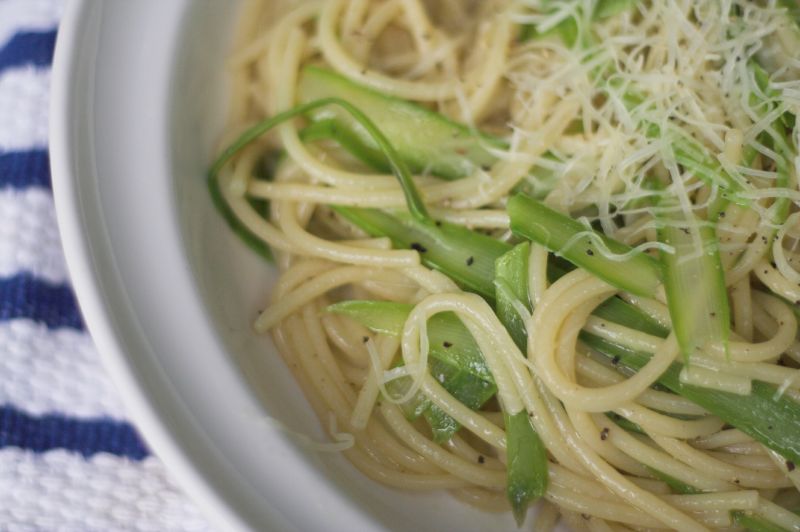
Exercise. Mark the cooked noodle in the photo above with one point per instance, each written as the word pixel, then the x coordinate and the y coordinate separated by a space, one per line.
pixel 465 60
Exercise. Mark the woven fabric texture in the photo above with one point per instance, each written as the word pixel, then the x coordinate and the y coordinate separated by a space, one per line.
pixel 69 458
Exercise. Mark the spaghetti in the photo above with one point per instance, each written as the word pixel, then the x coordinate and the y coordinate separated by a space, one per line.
pixel 652 125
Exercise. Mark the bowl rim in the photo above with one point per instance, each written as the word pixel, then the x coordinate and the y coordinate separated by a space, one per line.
pixel 94 172
pixel 150 421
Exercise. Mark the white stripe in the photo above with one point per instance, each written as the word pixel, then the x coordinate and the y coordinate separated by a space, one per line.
pixel 24 96
pixel 61 491
pixel 29 239
pixel 45 371
pixel 28 15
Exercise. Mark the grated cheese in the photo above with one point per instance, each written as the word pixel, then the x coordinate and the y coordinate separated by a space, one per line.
pixel 678 66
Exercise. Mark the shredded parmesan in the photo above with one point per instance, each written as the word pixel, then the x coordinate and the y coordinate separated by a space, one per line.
pixel 675 70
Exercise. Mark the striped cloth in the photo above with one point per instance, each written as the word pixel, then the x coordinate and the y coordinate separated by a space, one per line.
pixel 68 458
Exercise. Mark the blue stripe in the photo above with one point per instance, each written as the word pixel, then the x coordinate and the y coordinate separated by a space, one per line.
pixel 85 436
pixel 30 48
pixel 21 169
pixel 24 296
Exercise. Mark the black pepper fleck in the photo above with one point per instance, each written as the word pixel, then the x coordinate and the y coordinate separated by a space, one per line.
pixel 470 260
pixel 604 434
pixel 365 339
pixel 481 459
pixel 447 345
pixel 589 252
pixel 418 247
pixel 615 360
pixel 790 465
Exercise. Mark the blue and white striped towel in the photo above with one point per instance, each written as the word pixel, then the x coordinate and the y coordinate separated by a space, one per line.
pixel 68 458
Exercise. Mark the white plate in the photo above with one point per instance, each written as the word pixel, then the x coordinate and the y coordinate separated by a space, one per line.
pixel 169 294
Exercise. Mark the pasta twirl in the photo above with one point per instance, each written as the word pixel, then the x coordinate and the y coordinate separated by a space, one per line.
pixel 534 250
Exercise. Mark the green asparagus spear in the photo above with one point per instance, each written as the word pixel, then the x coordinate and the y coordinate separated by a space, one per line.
pixel 527 456
pixel 765 415
pixel 694 280
pixel 465 256
pixel 455 360
pixel 612 261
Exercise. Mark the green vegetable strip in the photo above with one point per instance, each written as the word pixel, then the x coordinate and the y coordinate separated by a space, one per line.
pixel 773 422
pixel 567 29
pixel 332 130
pixel 470 390
pixel 511 281
pixel 688 153
pixel 322 130
pixel 691 155
pixel 398 166
pixel 465 256
pixel 624 423
pixel 608 8
pixel 618 311
pixel 637 273
pixel 414 407
pixel 449 251
pixel 527 464
pixel 755 523
pixel 265 170
pixel 768 417
pixel 443 427
pixel 450 341
pixel 792 9
pixel 426 141
pixel 747 520
pixel 696 159
pixel 782 145
pixel 675 485
pixel 751 522
pixel 388 317
pixel 695 282
pixel 248 237
pixel 455 360
pixel 527 456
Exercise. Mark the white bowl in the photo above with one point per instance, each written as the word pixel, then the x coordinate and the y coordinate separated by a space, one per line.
pixel 169 293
